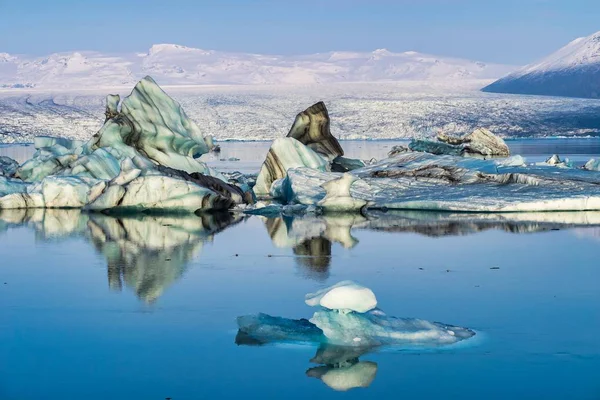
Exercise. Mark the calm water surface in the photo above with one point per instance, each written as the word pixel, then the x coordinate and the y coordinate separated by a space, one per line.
pixel 97 307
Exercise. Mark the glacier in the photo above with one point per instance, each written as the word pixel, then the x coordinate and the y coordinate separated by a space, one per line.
pixel 367 111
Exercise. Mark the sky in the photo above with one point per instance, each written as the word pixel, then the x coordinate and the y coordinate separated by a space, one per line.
pixel 510 31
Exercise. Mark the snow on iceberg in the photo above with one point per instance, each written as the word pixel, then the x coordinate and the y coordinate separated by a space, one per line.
pixel 345 296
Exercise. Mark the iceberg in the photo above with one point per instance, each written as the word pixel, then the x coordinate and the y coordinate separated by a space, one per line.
pixel 143 158
pixel 8 166
pixel 480 143
pixel 337 195
pixel 311 128
pixel 423 181
pixel 348 318
pixel 592 165
pixel 284 154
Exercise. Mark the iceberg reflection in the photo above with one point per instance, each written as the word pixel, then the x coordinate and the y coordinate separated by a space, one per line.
pixel 311 237
pixel 146 253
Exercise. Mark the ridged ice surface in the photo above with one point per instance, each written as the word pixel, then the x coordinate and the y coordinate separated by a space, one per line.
pixel 423 181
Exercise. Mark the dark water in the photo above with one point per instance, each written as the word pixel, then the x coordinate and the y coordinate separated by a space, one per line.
pixel 95 307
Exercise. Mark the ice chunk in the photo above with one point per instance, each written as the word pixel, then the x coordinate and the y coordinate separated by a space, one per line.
pixel 41 142
pixel 438 148
pixel 343 164
pixel 156 192
pixel 374 328
pixel 592 165
pixel 338 198
pixel 263 329
pixel 480 142
pixel 556 161
pixel 398 149
pixel 8 166
pixel 286 153
pixel 344 296
pixel 156 126
pixel 311 128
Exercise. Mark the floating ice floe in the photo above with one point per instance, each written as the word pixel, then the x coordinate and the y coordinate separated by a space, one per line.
pixel 480 143
pixel 348 317
pixel 143 158
pixel 351 329
pixel 423 181
pixel 592 165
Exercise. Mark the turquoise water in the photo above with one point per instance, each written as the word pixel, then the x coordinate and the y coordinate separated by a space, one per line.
pixel 95 307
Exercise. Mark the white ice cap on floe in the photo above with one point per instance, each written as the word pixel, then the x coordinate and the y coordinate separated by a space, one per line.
pixel 344 296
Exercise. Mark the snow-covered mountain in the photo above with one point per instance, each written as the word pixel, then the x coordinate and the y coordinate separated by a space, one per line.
pixel 172 64
pixel 572 71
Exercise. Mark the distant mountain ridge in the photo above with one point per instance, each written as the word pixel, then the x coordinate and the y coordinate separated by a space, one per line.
pixel 172 64
pixel 572 71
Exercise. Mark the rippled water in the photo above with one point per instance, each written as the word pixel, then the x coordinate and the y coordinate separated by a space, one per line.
pixel 145 307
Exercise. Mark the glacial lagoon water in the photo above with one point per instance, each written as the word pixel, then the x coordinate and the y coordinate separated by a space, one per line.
pixel 145 307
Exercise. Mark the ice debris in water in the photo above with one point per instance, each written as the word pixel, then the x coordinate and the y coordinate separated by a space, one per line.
pixel 338 198
pixel 349 318
pixel 592 165
pixel 284 154
pixel 344 296
pixel 479 143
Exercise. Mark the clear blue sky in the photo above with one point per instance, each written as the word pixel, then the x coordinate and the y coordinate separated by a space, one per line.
pixel 509 31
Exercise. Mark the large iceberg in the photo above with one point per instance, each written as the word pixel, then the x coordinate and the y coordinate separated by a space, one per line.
pixel 424 181
pixel 311 128
pixel 145 157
